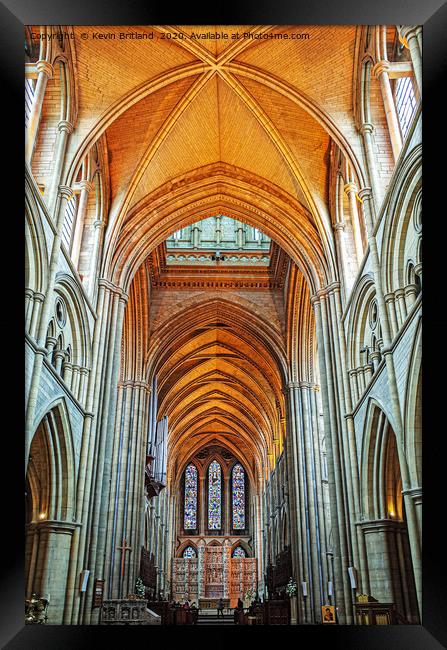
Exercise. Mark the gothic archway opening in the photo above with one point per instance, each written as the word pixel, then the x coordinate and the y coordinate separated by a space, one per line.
pixel 391 575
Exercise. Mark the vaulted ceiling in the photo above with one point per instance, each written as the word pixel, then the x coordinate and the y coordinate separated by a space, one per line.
pixel 171 105
pixel 197 127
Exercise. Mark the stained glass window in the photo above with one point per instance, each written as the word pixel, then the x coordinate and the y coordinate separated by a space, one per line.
pixel 239 552
pixel 238 491
pixel 214 496
pixel 189 552
pixel 190 518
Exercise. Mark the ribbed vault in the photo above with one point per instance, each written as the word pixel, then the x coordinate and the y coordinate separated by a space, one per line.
pixel 220 371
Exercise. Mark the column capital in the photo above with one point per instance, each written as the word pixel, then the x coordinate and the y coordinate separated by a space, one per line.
pixel 65 192
pixel 98 224
pixel 380 68
pixel 86 186
pixel 406 33
pixel 365 194
pixel 39 297
pixel 45 67
pixel 350 187
pixel 366 128
pixel 66 126
pixel 339 226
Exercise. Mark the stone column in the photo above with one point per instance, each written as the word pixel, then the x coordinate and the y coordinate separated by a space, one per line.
pixel 98 235
pixel 339 229
pixel 336 491
pixel 394 327
pixel 86 188
pixel 367 130
pixel 100 471
pixel 295 499
pixel 351 191
pixel 411 37
pixel 73 608
pixel 64 129
pixel 38 299
pixel 67 369
pixel 381 71
pixel 28 308
pixel 53 555
pixel 44 72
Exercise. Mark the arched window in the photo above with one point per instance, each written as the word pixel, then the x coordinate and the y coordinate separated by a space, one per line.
pixel 239 552
pixel 190 510
pixel 189 552
pixel 238 497
pixel 214 496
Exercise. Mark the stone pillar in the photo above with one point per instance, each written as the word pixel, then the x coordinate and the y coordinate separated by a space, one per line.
pixel 381 71
pixel 50 576
pixel 64 129
pixel 411 37
pixel 67 369
pixel 28 308
pixel 86 188
pixel 295 499
pixel 59 355
pixel 401 305
pixel 345 271
pixel 394 327
pixel 38 299
pixel 73 609
pixel 351 191
pixel 367 130
pixel 98 235
pixel 44 72
pixel 386 560
pixel 335 478
pixel 101 476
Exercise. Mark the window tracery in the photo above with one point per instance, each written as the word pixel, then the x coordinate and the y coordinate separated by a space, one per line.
pixel 214 496
pixel 190 510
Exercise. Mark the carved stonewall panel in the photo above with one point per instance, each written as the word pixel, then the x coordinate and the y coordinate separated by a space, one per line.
pixel 243 577
pixel 185 579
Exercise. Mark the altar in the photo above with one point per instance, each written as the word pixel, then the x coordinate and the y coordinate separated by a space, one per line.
pixel 213 574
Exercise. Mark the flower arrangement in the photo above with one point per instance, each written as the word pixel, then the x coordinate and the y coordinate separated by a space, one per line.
pixel 249 594
pixel 140 588
pixel 291 587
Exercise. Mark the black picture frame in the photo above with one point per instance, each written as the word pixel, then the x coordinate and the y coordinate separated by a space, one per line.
pixel 432 14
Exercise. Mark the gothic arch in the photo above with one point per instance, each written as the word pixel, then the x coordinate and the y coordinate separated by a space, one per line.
pixel 78 333
pixel 400 239
pixel 213 189
pixel 358 329
pixel 377 432
pixel 36 251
